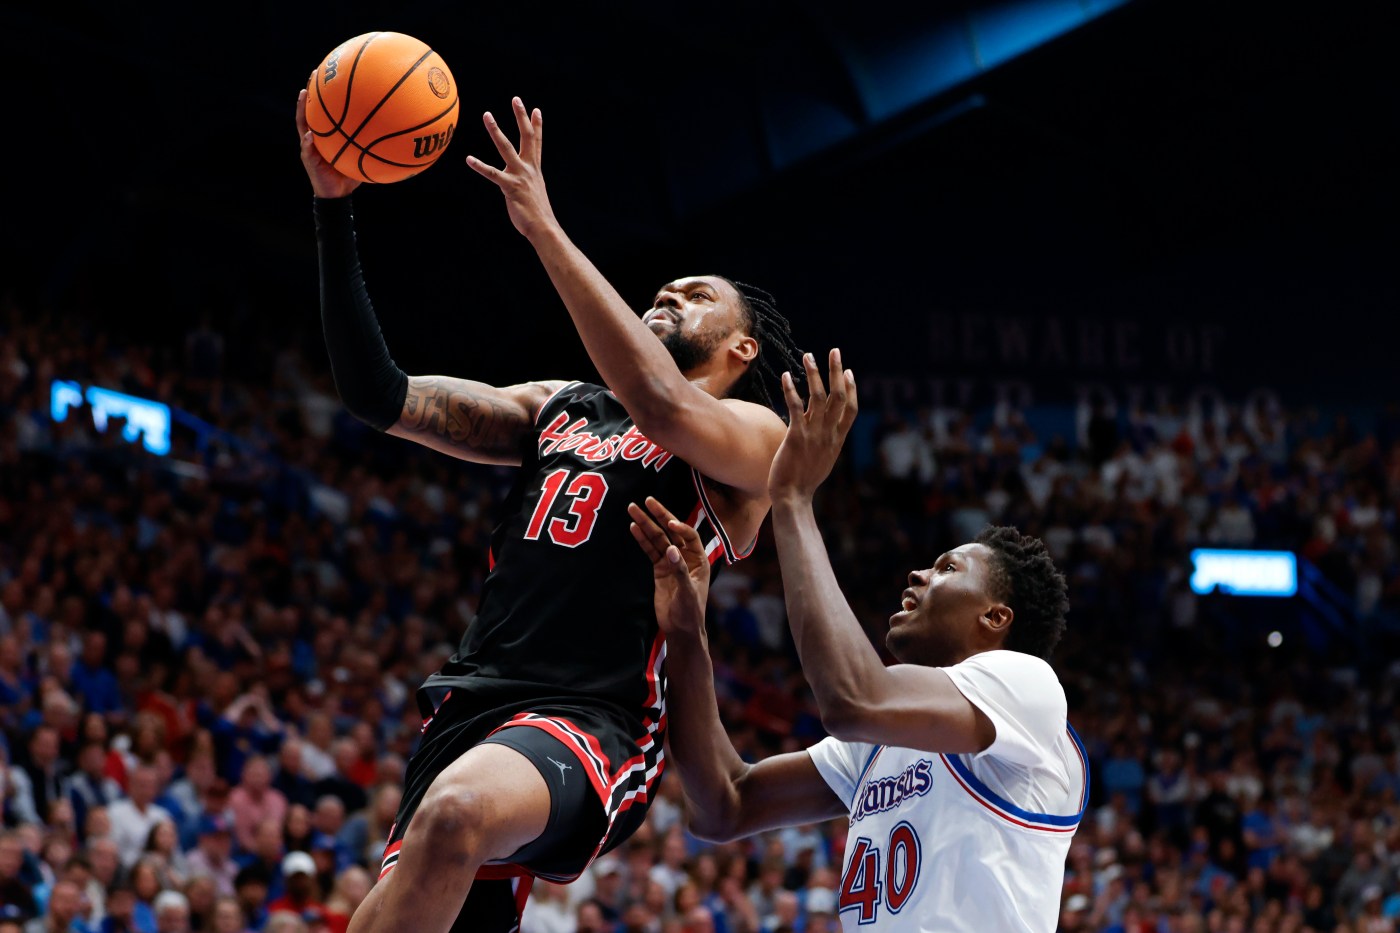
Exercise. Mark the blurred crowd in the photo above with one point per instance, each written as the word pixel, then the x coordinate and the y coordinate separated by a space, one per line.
pixel 208 659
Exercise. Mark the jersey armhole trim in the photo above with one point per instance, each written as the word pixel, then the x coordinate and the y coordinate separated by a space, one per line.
pixel 730 555
pixel 865 773
pixel 539 412
pixel 991 800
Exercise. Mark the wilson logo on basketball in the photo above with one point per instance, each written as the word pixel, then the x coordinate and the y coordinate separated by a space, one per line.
pixel 424 146
pixel 438 83
pixel 332 63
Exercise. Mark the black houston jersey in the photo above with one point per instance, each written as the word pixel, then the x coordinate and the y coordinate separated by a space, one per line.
pixel 567 610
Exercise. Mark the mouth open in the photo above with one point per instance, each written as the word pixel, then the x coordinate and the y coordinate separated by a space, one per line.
pixel 661 316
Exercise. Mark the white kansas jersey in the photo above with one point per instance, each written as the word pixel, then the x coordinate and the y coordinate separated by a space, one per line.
pixel 974 843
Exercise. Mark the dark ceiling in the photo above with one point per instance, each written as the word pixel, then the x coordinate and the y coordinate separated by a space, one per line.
pixel 1163 158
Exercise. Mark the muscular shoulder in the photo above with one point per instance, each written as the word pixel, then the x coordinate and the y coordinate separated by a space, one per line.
pixel 760 416
pixel 1014 673
pixel 1020 694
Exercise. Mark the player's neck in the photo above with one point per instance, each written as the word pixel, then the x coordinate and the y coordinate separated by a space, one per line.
pixel 712 379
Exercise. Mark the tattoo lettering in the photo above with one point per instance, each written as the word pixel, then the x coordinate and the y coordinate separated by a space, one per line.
pixel 449 409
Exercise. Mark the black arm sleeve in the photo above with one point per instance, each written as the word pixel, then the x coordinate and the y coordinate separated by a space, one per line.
pixel 370 383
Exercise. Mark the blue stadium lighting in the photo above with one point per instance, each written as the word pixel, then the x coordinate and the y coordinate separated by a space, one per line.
pixel 1244 573
pixel 146 420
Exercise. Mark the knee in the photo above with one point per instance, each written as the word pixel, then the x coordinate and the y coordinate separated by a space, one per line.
pixel 452 819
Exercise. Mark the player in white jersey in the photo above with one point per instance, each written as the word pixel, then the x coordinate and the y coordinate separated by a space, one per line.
pixel 957 768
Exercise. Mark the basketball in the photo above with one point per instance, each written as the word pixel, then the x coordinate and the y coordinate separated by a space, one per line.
pixel 382 107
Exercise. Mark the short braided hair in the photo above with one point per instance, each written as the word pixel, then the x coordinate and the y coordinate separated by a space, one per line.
pixel 777 352
pixel 1027 580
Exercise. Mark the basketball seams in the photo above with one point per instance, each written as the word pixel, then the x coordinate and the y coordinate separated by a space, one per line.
pixel 407 129
pixel 399 147
pixel 367 152
pixel 375 109
pixel 349 96
pixel 319 84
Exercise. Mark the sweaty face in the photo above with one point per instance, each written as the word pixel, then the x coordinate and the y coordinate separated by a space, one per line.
pixel 940 611
pixel 693 316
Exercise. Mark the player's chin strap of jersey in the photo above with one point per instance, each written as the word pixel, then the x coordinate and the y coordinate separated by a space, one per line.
pixel 370 383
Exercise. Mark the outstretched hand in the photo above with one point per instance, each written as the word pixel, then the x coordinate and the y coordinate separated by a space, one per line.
pixel 815 433
pixel 520 180
pixel 326 182
pixel 679 563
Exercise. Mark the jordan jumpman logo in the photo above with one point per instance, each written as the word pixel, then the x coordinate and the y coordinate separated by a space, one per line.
pixel 563 778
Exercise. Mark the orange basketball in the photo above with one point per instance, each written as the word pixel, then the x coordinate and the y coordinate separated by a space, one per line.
pixel 382 107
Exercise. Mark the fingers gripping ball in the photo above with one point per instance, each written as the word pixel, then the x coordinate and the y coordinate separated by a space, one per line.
pixel 382 107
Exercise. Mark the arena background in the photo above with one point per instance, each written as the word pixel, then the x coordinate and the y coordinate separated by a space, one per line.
pixel 1215 178
pixel 1052 204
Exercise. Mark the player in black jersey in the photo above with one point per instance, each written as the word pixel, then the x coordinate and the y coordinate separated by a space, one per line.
pixel 543 735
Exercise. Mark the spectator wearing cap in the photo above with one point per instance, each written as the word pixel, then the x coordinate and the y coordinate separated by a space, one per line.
pixel 267 853
pixel 819 905
pixel 133 818
pixel 213 853
pixel 172 912
pixel 608 881
pixel 299 877
pixel 351 887
pixel 1074 916
pixel 330 858
pixel 11 919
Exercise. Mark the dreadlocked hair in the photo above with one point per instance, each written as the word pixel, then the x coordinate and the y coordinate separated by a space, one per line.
pixel 1026 578
pixel 777 353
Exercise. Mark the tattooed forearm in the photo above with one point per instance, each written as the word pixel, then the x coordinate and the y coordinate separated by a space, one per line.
pixel 453 410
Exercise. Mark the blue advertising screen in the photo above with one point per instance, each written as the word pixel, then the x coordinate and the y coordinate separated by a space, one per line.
pixel 1244 573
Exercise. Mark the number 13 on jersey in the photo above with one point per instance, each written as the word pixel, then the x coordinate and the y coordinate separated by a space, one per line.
pixel 583 496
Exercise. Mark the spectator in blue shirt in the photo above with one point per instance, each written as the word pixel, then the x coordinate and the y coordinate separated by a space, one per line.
pixel 92 680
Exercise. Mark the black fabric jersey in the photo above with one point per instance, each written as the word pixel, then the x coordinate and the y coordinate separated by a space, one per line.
pixel 567 610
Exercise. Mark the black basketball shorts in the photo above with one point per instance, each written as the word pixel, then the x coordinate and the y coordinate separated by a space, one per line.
pixel 601 776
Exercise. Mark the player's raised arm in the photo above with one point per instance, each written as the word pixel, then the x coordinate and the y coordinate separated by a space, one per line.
pixel 728 798
pixel 728 440
pixel 465 419
pixel 861 700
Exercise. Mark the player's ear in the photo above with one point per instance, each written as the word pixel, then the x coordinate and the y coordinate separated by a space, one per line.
pixel 744 347
pixel 998 618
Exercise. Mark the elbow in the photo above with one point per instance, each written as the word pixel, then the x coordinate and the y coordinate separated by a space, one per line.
pixel 712 830
pixel 378 406
pixel 655 403
pixel 846 718
pixel 720 815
